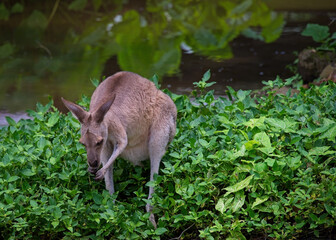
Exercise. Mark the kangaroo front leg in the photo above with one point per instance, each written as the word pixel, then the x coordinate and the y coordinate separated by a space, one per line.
pixel 118 148
pixel 106 153
pixel 109 180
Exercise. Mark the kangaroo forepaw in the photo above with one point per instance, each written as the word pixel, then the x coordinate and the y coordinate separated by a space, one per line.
pixel 100 174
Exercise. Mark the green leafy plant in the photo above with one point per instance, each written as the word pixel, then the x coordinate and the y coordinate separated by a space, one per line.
pixel 321 34
pixel 239 167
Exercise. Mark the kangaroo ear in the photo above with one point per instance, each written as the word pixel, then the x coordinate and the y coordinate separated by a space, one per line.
pixel 76 110
pixel 102 110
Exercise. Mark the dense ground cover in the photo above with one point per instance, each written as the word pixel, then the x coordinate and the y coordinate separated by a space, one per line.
pixel 239 167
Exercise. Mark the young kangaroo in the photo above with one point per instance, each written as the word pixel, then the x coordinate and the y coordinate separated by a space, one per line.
pixel 128 117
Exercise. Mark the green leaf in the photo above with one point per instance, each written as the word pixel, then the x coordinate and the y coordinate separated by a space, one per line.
pixel 239 186
pixel 28 172
pixel 242 7
pixel 97 198
pixel 256 122
pixel 222 206
pixel 13 178
pixel 57 213
pixel 203 143
pixel 251 144
pixel 294 162
pixel 6 50
pixel 33 203
pixel 259 201
pixel 160 230
pixel 55 223
pixel 238 202
pixel 77 5
pixel 151 184
pixel 95 82
pixel 10 121
pixel 316 31
pixel 174 155
pixel 155 80
pixel 206 76
pixel 17 8
pixel 36 20
pixel 53 119
pixel 330 134
pixel 321 151
pixel 270 162
pixel 272 31
pixel 4 13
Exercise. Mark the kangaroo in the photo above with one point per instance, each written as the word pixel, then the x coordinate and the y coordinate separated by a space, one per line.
pixel 128 117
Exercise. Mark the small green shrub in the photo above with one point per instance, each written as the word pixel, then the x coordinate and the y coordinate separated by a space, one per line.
pixel 239 167
pixel 322 35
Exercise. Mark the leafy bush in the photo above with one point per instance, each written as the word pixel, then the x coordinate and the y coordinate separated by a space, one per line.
pixel 321 34
pixel 238 167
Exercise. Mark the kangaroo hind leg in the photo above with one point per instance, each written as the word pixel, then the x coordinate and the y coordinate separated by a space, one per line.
pixel 158 141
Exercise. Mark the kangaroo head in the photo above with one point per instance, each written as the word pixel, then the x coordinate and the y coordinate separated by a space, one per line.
pixel 93 130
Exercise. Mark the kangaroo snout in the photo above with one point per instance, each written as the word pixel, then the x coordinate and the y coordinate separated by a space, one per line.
pixel 94 164
pixel 92 170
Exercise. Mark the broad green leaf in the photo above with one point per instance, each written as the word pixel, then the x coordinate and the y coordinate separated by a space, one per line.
pixel 53 160
pixel 97 198
pixel 13 178
pixel 4 12
pixel 321 151
pixel 95 82
pixel 239 153
pixel 160 230
pixel 316 31
pixel 57 213
pixel 270 162
pixel 238 202
pixel 203 143
pixel 256 122
pixel 286 125
pixel 17 8
pixel 10 121
pixel 206 76
pixel 294 162
pixel 77 5
pixel 330 134
pixel 259 201
pixel 151 184
pixel 174 155
pixel 251 144
pixel 242 7
pixel 33 203
pixel 28 172
pixel 37 20
pixel 272 31
pixel 6 50
pixel 239 186
pixel 223 204
pixel 53 119
pixel 55 223
pixel 263 138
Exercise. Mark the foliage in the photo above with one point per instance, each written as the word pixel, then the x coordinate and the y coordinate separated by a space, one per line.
pixel 321 34
pixel 239 167
pixel 65 40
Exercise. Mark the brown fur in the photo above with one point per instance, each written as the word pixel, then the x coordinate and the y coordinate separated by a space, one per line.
pixel 128 117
